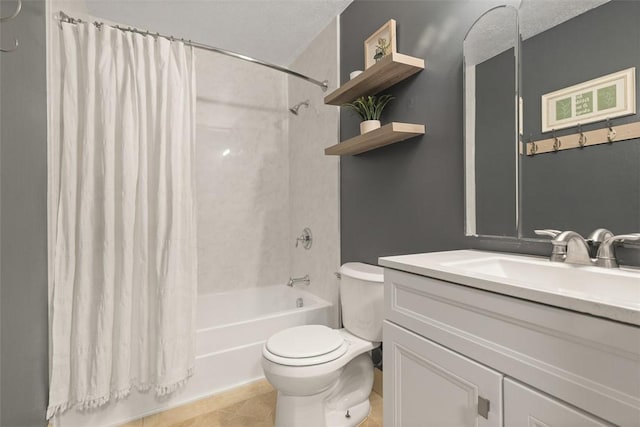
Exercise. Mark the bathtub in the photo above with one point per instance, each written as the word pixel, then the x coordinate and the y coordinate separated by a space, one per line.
pixel 232 328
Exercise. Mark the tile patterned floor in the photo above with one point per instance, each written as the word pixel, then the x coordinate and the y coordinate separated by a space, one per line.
pixel 252 405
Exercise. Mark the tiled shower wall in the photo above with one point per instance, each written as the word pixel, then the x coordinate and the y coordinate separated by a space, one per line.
pixel 242 174
pixel 262 173
pixel 314 177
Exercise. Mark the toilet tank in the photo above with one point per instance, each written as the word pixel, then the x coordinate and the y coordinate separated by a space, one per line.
pixel 361 299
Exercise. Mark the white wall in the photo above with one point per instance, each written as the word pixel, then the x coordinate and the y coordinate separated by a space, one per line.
pixel 242 174
pixel 314 178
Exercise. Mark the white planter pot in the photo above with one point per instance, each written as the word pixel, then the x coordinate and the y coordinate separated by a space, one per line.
pixel 368 126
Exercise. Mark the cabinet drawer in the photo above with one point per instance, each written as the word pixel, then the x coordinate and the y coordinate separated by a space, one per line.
pixel 590 362
pixel 525 407
pixel 427 385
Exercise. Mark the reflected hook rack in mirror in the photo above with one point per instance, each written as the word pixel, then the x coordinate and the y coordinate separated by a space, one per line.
pixel 8 18
pixel 15 13
pixel 11 49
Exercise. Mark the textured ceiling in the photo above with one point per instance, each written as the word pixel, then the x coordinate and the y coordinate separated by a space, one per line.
pixel 272 30
pixel 535 16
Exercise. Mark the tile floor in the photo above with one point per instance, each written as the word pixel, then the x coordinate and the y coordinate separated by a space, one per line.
pixel 252 405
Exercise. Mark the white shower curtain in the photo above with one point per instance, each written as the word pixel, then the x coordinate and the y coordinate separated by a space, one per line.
pixel 124 262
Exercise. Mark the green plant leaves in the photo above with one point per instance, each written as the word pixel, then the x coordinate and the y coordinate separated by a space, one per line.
pixel 369 107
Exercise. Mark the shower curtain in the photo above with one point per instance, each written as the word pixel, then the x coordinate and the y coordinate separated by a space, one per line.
pixel 122 304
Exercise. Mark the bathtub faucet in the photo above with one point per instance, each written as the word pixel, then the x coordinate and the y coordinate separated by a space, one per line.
pixel 306 280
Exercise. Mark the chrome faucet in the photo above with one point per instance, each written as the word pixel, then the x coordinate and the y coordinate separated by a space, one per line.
pixel 568 246
pixel 305 279
pixel 606 252
pixel 596 238
pixel 572 248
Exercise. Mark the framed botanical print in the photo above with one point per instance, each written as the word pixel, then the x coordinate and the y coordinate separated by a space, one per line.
pixel 380 44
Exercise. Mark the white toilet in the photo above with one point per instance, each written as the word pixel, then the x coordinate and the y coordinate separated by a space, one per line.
pixel 324 376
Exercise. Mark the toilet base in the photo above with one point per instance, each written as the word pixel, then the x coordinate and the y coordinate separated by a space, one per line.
pixel 296 411
pixel 357 414
pixel 329 408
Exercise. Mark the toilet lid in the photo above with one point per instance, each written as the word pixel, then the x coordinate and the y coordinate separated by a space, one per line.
pixel 304 341
pixel 306 361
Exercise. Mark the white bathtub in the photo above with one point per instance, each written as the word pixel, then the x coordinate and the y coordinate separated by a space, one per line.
pixel 232 328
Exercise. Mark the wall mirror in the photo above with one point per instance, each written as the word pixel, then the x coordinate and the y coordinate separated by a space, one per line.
pixel 563 45
pixel 490 85
pixel 566 44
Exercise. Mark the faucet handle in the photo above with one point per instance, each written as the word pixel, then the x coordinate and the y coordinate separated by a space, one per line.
pixel 598 236
pixel 606 253
pixel 548 232
pixel 595 239
pixel 559 252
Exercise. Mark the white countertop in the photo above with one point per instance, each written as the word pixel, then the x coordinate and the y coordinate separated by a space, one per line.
pixel 608 293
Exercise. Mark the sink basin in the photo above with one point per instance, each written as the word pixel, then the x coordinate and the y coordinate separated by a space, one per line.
pixel 580 281
pixel 612 293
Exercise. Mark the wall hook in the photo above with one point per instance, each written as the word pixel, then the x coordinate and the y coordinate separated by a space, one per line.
pixel 16 13
pixel 533 147
pixel 582 139
pixel 556 141
pixel 611 134
pixel 11 49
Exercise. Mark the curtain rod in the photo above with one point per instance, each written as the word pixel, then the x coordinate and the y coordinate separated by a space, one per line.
pixel 63 17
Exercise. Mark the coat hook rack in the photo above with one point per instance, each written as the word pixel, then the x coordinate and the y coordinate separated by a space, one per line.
pixel 606 135
pixel 8 18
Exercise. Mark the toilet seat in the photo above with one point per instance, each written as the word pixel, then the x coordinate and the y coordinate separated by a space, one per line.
pixel 305 346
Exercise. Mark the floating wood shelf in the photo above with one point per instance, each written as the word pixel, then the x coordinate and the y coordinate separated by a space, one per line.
pixel 390 70
pixel 387 134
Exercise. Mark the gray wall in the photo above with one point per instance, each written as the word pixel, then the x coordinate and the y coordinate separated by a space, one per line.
pixel 408 197
pixel 23 194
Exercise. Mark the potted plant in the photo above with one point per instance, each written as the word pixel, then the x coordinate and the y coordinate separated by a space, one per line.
pixel 369 108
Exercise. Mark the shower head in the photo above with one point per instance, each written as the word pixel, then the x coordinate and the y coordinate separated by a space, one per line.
pixel 296 107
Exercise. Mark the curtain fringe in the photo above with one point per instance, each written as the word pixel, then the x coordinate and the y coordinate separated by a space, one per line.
pixel 93 403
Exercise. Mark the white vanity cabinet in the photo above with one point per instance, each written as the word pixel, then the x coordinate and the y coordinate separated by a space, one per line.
pixel 451 350
pixel 526 407
pixel 435 386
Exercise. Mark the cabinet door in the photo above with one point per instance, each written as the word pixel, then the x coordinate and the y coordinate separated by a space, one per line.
pixel 525 407
pixel 427 385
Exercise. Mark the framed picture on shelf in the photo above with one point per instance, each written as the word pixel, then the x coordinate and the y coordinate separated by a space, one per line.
pixel 380 44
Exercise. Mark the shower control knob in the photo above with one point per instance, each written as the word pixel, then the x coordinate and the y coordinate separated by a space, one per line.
pixel 306 238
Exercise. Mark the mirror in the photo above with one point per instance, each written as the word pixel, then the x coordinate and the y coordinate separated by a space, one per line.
pixel 490 81
pixel 563 44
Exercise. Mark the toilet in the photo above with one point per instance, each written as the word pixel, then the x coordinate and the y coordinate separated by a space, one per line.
pixel 324 376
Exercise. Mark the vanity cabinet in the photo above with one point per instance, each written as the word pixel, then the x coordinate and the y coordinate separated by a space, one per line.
pixel 524 406
pixel 452 350
pixel 435 386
